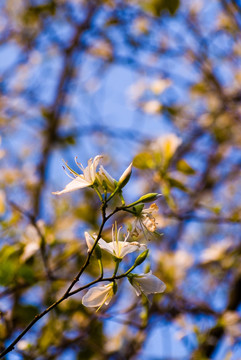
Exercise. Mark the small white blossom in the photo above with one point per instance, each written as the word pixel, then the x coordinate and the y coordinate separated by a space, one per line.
pixel 146 284
pixel 98 295
pixel 31 240
pixel 145 220
pixel 116 248
pixel 79 181
pixel 216 251
pixel 152 107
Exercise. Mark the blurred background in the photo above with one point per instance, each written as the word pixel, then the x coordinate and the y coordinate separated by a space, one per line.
pixel 155 82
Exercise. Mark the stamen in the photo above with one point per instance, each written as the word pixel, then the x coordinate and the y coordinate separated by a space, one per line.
pixel 70 170
pixel 113 238
pixel 71 177
pixel 127 236
pixel 141 225
pixel 80 166
pixel 118 234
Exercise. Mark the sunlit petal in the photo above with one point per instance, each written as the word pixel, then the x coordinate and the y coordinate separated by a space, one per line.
pixel 81 181
pixel 147 284
pixel 78 183
pixel 97 296
pixel 127 248
pixel 89 241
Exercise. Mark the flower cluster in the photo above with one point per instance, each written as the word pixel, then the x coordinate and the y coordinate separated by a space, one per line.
pixel 121 244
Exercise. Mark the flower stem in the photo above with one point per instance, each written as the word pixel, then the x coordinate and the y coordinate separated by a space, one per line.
pixel 98 193
pixel 117 262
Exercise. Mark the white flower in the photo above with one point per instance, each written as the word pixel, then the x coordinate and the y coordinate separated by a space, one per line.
pixel 31 240
pixel 107 181
pixel 152 107
pixel 216 252
pixel 145 220
pixel 98 295
pixel 146 284
pixel 116 248
pixel 81 181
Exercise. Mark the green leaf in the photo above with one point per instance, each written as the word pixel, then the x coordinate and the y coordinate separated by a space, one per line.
pixel 144 161
pixel 7 272
pixel 199 88
pixel 26 273
pixel 23 314
pixel 9 264
pixel 171 5
pixel 177 184
pixel 156 7
pixel 216 209
pixel 185 168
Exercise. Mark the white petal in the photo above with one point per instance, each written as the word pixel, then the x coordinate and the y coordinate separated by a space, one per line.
pixel 106 246
pixel 87 171
pixel 149 222
pixel 150 284
pixel 120 249
pixel 29 250
pixel 76 184
pixel 127 248
pixel 104 175
pixel 136 287
pixel 89 240
pixel 93 166
pixel 98 295
pixel 96 162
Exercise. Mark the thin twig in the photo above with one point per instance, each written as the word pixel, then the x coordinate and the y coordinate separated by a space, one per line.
pixel 68 292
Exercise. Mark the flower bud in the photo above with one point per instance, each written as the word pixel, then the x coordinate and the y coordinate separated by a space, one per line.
pixel 145 199
pixel 125 177
pixel 142 257
pixel 149 197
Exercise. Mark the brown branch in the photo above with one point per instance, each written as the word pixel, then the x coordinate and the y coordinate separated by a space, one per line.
pixel 214 335
pixel 68 292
